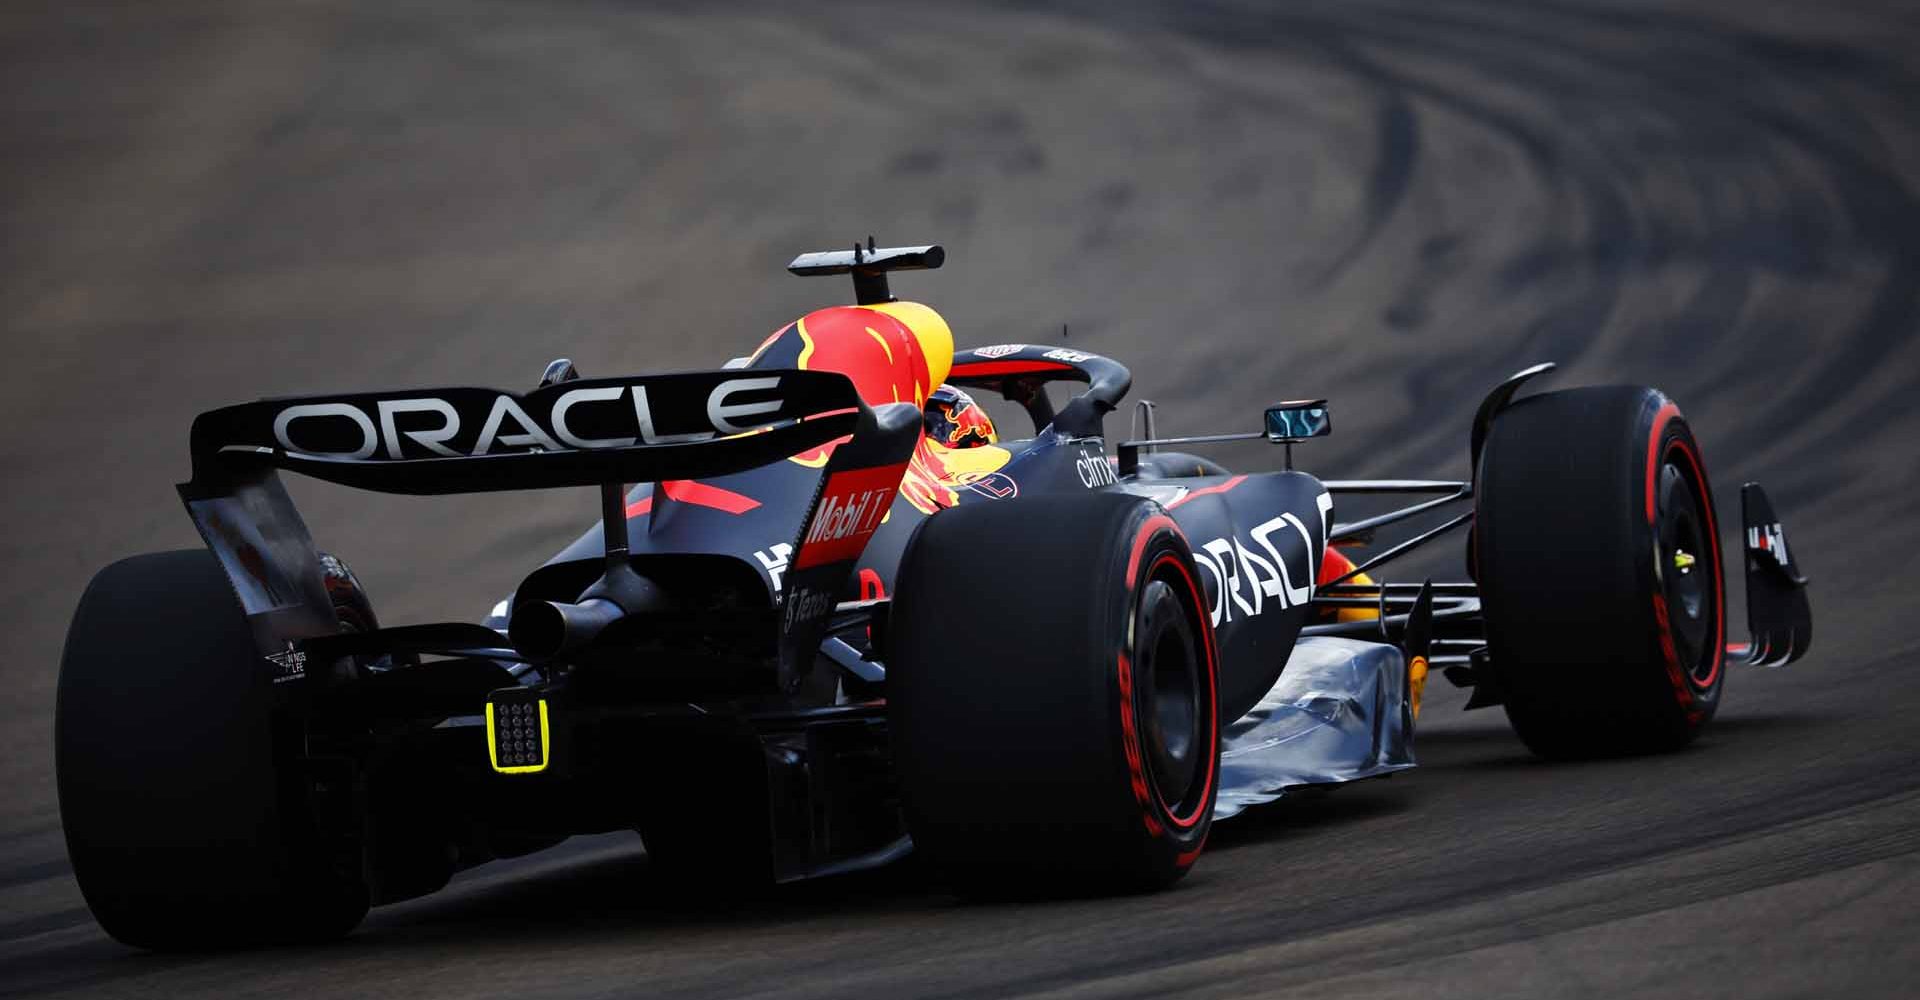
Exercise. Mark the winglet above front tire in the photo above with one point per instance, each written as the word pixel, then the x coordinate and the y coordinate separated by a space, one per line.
pixel 1778 614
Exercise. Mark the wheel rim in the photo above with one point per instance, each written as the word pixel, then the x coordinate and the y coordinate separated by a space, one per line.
pixel 1686 568
pixel 1168 696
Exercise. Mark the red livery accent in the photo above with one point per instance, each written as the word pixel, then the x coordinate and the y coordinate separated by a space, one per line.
pixel 1222 488
pixel 698 494
pixel 689 491
pixel 1334 564
pixel 851 509
pixel 974 369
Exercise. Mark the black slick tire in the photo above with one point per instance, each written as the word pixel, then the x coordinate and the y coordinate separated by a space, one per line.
pixel 185 829
pixel 1053 693
pixel 1598 557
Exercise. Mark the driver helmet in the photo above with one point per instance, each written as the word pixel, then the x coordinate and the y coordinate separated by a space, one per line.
pixel 956 421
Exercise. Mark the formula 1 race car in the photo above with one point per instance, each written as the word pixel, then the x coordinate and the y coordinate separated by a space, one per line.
pixel 840 619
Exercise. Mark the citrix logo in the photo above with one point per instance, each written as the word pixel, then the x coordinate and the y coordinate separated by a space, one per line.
pixel 1094 470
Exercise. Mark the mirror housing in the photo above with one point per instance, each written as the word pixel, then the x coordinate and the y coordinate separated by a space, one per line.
pixel 1297 420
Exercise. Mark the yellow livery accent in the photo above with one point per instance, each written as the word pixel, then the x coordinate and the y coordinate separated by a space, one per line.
pixel 1416 682
pixel 806 352
pixel 1358 614
pixel 882 341
pixel 964 465
pixel 935 337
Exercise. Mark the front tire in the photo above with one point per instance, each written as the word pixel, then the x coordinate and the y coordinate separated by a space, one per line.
pixel 1055 699
pixel 1598 554
pixel 185 822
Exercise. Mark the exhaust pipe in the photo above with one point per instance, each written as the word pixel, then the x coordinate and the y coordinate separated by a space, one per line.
pixel 545 629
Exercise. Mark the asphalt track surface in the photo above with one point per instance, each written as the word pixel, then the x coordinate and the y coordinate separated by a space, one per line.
pixel 1390 202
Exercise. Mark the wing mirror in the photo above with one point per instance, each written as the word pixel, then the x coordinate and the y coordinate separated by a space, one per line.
pixel 1287 422
pixel 1298 420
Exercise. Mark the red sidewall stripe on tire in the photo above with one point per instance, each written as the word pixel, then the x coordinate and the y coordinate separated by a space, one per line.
pixel 1130 742
pixel 1667 412
pixel 1211 693
pixel 1140 539
pixel 1680 677
pixel 1147 795
pixel 1719 572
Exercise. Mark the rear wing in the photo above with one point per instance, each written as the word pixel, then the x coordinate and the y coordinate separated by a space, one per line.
pixel 584 432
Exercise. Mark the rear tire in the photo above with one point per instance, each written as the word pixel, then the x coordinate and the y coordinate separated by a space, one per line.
pixel 1054 696
pixel 1598 558
pixel 186 827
